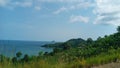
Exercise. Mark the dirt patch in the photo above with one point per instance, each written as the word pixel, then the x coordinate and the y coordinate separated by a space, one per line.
pixel 110 65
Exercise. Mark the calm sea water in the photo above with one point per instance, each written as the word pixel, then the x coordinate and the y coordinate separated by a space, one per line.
pixel 11 47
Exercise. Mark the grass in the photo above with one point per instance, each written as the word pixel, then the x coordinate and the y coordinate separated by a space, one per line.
pixel 58 61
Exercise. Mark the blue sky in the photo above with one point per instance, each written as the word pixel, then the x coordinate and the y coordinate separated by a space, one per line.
pixel 59 20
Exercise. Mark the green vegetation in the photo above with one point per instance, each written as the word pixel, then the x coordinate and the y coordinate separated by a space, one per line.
pixel 75 53
pixel 118 29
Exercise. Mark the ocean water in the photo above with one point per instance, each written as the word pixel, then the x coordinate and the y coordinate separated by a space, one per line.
pixel 9 48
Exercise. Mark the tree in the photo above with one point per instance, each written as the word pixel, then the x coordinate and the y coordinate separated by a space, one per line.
pixel 41 53
pixel 26 58
pixel 46 53
pixel 2 58
pixel 118 29
pixel 18 54
pixel 89 40
pixel 66 46
pixel 99 38
pixel 14 59
pixel 105 36
pixel 55 50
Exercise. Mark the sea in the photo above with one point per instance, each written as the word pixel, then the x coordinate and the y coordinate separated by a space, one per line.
pixel 9 48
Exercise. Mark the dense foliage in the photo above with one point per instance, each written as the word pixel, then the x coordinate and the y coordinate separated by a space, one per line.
pixel 74 53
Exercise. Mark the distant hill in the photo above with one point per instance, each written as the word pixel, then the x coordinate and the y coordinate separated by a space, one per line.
pixel 72 42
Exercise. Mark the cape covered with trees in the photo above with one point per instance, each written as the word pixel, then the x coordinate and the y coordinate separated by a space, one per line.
pixel 74 53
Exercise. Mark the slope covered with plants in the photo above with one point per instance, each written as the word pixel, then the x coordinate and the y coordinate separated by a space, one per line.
pixel 74 53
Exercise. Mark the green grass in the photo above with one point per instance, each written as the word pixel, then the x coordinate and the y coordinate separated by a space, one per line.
pixel 58 62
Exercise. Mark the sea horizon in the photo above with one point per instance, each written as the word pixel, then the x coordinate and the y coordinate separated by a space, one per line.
pixel 9 48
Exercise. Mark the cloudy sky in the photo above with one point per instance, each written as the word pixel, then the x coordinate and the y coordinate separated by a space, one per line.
pixel 59 20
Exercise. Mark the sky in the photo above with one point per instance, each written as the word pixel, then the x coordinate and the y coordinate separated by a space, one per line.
pixel 59 20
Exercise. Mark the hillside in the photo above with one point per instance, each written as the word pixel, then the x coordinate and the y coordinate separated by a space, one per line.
pixel 74 53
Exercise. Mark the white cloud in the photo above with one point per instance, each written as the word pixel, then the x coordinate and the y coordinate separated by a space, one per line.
pixel 4 2
pixel 82 5
pixel 73 4
pixel 65 1
pixel 37 8
pixel 60 10
pixel 16 3
pixel 23 4
pixel 74 19
pixel 78 5
pixel 108 12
